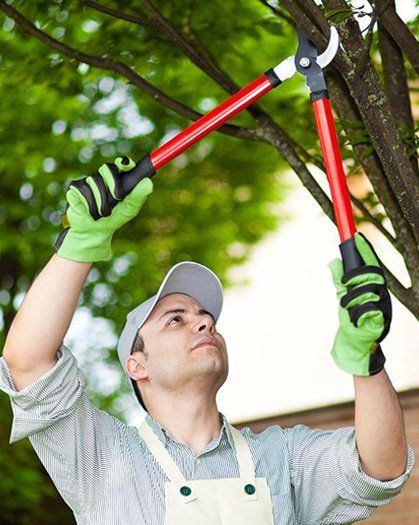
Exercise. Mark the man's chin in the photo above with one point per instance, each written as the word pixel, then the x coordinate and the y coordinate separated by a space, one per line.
pixel 207 355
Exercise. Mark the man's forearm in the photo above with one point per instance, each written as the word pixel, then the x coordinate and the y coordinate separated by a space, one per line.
pixel 45 314
pixel 379 425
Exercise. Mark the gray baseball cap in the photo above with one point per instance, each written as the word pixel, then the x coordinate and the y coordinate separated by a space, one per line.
pixel 187 277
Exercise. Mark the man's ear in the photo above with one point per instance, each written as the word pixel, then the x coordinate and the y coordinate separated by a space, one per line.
pixel 135 368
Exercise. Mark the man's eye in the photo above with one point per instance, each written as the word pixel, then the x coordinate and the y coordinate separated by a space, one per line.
pixel 173 318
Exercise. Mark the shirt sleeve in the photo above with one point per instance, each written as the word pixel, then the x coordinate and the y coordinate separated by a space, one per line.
pixel 328 481
pixel 73 439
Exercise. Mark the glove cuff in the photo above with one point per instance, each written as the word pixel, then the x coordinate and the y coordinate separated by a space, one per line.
pixel 76 246
pixel 377 361
pixel 357 361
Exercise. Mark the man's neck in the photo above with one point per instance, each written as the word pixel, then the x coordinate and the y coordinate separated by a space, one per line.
pixel 192 425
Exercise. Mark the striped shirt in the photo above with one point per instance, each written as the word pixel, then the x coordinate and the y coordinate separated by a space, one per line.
pixel 107 476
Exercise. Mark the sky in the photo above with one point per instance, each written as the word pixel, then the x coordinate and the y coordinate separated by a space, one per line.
pixel 280 326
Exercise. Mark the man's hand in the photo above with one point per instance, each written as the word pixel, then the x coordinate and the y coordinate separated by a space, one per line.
pixel 364 313
pixel 91 220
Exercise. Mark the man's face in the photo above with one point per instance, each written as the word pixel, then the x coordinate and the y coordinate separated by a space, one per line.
pixel 171 361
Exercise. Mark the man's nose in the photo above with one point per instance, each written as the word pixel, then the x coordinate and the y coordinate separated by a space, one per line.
pixel 204 325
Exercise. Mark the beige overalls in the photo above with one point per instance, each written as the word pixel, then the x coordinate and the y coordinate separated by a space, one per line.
pixel 227 501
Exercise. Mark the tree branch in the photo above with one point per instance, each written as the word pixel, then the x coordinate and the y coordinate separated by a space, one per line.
pixel 390 166
pixel 400 32
pixel 396 86
pixel 189 35
pixel 362 208
pixel 372 102
pixel 159 22
pixel 314 14
pixel 122 69
pixel 404 295
pixel 301 10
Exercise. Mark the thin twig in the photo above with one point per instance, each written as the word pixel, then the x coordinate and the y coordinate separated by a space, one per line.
pixel 119 14
pixel 376 13
pixel 278 13
pixel 177 39
pixel 360 66
pixel 362 208
pixel 374 221
pixel 124 70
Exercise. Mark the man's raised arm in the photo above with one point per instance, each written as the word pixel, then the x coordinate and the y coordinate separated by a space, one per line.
pixel 43 319
pixel 46 312
pixel 365 315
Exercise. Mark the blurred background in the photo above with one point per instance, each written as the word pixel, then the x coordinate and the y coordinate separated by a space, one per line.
pixel 244 202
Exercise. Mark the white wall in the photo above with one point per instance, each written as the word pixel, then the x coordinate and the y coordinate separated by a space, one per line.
pixel 280 328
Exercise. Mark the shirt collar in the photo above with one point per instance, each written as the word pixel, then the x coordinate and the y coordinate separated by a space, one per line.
pixel 163 434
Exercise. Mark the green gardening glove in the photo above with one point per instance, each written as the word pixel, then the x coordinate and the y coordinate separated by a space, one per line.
pixel 90 221
pixel 364 313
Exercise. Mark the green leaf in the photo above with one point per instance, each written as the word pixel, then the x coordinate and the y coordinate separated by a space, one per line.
pixel 360 138
pixel 339 14
pixel 274 28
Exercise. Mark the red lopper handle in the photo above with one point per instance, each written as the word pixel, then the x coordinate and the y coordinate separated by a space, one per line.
pixel 211 121
pixel 336 177
pixel 334 169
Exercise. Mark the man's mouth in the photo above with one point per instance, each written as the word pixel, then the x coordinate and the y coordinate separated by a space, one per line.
pixel 205 342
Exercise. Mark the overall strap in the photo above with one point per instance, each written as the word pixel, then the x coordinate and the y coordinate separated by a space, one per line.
pixel 162 456
pixel 244 457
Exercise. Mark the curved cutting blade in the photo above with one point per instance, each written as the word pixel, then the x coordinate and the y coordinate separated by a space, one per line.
pixel 286 68
pixel 332 48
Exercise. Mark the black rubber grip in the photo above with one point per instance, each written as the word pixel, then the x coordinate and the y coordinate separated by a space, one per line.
pixel 144 168
pixel 273 77
pixel 350 255
pixel 319 95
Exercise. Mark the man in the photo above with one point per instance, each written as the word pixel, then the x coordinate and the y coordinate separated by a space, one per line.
pixel 186 464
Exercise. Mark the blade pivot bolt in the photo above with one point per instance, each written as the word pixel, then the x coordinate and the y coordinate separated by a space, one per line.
pixel 304 62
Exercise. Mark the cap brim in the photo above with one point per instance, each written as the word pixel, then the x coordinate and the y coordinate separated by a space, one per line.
pixel 192 279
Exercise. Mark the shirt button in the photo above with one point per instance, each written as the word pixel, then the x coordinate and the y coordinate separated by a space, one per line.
pixel 198 461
